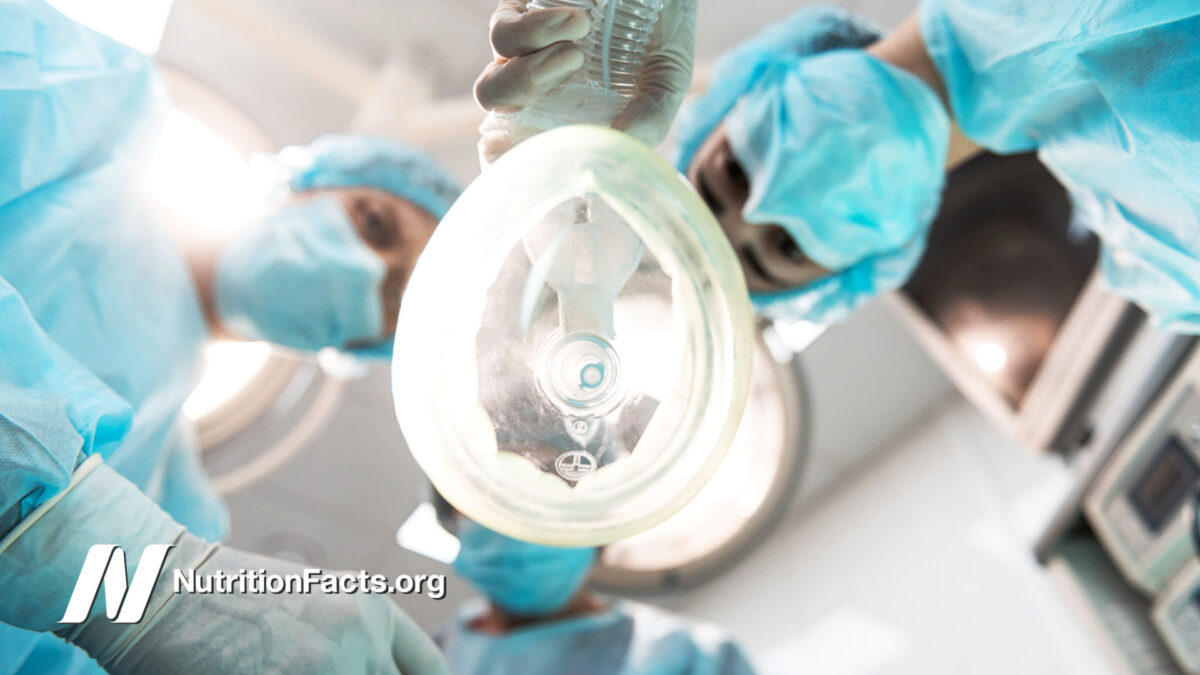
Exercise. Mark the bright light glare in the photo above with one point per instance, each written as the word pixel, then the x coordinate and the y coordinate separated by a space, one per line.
pixel 422 534
pixel 229 367
pixel 990 356
pixel 203 179
pixel 210 187
pixel 650 346
pixel 733 495
pixel 137 23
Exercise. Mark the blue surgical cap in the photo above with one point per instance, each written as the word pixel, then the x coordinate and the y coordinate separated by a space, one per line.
pixel 808 31
pixel 367 161
pixel 842 150
pixel 527 580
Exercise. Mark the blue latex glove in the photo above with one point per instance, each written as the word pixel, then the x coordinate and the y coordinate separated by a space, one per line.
pixel 629 638
pixel 843 151
pixel 302 278
pixel 1107 93
pixel 523 579
pixel 198 633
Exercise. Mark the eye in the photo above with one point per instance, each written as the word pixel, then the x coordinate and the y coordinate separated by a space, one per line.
pixel 378 225
pixel 734 173
pixel 375 225
pixel 789 248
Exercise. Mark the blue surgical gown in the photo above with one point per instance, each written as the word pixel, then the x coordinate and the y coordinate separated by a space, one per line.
pixel 101 332
pixel 627 639
pixel 1108 93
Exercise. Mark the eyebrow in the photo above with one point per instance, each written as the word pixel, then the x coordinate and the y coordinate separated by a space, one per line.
pixel 756 264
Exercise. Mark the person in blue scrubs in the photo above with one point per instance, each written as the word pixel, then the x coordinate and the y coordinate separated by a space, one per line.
pixel 821 143
pixel 103 319
pixel 821 148
pixel 538 616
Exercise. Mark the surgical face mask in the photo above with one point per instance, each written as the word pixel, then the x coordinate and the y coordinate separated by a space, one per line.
pixel 523 579
pixel 302 278
pixel 844 153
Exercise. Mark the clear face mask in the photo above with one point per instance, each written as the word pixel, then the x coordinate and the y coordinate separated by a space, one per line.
pixel 574 348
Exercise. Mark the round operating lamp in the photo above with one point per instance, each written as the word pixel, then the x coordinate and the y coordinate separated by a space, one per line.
pixel 744 500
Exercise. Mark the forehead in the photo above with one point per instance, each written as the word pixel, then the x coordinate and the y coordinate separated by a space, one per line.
pixel 716 141
pixel 360 192
pixel 374 197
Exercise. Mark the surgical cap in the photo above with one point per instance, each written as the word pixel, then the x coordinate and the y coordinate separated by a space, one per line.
pixel 842 150
pixel 367 161
pixel 525 579
pixel 808 31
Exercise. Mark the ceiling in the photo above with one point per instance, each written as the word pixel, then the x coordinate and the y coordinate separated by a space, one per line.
pixel 401 68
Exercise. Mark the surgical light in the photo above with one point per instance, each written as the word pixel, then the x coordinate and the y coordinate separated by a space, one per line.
pixel 207 187
pixel 989 356
pixel 737 508
pixel 137 23
pixel 204 181
pixel 229 366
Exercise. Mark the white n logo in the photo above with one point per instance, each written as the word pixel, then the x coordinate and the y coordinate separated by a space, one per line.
pixel 105 564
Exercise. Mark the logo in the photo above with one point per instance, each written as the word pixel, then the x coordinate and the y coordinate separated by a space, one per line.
pixel 123 602
pixel 575 465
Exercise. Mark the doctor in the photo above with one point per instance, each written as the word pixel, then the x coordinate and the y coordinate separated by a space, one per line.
pixel 102 325
pixel 538 616
pixel 821 147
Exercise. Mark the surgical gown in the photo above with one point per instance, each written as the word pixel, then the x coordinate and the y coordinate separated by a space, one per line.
pixel 627 639
pixel 101 332
pixel 1108 93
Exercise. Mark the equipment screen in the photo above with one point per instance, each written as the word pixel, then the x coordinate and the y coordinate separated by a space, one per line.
pixel 1160 490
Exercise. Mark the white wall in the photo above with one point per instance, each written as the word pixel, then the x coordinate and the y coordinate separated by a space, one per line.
pixel 922 563
pixel 443 43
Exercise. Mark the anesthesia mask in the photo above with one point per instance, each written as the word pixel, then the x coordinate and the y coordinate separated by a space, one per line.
pixel 574 347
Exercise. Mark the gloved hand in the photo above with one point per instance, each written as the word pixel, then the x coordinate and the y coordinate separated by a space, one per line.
pixel 666 75
pixel 534 53
pixel 201 633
